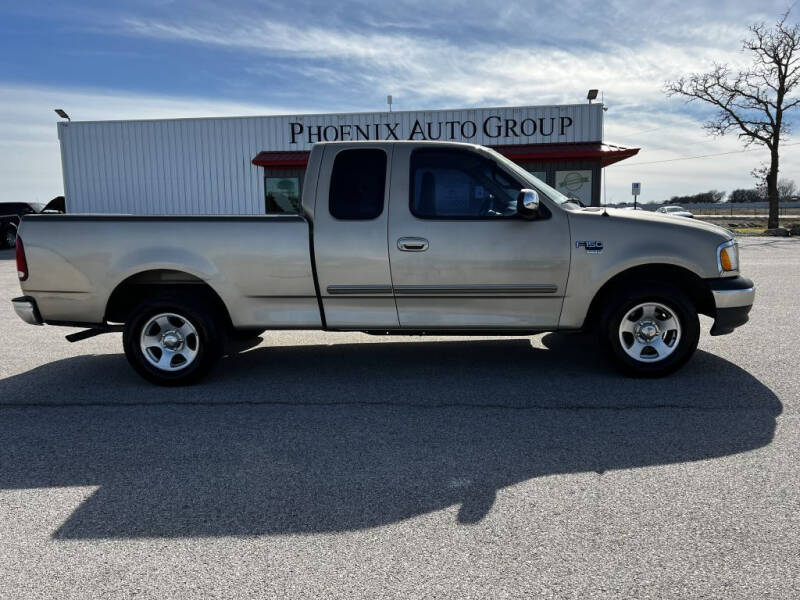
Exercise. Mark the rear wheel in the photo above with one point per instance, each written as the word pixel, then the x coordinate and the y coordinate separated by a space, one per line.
pixel 172 341
pixel 650 330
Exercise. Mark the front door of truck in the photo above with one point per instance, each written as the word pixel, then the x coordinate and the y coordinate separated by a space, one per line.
pixel 350 250
pixel 460 256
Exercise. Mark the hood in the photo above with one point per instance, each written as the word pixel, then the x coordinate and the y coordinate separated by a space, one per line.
pixel 661 219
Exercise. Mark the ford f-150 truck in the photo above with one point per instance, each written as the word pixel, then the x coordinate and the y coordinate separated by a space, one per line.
pixel 392 238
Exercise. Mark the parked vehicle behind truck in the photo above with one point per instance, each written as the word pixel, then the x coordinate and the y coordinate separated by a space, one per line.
pixel 12 212
pixel 393 238
pixel 674 211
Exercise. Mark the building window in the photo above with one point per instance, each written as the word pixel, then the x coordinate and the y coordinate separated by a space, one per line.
pixel 453 184
pixel 575 184
pixel 540 175
pixel 282 195
pixel 358 184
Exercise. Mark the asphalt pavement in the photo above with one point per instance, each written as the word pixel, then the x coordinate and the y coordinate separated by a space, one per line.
pixel 322 465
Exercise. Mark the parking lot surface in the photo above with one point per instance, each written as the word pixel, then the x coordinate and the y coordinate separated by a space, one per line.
pixel 347 466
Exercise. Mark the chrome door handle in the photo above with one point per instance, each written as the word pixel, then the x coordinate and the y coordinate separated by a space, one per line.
pixel 412 244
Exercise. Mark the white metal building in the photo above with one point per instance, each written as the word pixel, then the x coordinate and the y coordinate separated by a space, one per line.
pixel 253 165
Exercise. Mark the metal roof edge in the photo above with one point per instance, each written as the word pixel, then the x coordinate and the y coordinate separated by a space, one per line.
pixel 339 114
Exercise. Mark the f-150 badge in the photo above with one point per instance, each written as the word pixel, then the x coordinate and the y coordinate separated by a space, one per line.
pixel 592 247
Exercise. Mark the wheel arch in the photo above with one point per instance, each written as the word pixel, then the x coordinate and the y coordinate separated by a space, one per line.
pixel 687 281
pixel 134 289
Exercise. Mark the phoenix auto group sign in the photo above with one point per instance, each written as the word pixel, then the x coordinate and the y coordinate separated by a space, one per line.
pixel 492 126
pixel 520 125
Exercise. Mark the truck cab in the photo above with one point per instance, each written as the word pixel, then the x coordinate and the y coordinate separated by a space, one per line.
pixel 429 238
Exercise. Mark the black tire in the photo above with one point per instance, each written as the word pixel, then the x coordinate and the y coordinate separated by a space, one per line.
pixel 206 343
pixel 627 299
pixel 244 335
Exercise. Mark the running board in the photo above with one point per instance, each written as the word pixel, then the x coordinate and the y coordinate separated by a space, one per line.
pixel 89 333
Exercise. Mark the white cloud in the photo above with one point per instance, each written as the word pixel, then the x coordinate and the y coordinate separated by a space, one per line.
pixel 473 71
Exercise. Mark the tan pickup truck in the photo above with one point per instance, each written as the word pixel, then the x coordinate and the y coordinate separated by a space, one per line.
pixel 393 238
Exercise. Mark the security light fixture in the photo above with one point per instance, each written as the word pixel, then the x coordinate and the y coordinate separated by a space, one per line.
pixel 592 95
pixel 61 113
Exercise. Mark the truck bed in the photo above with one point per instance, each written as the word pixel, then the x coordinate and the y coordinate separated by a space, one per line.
pixel 260 266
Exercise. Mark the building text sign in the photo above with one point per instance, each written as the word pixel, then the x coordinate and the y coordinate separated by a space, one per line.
pixel 492 127
pixel 497 126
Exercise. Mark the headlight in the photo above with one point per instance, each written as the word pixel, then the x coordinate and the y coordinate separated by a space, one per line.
pixel 728 256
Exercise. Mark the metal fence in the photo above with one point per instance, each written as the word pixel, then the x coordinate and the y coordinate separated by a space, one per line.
pixel 734 209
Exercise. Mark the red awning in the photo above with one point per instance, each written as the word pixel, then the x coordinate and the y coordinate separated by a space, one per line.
pixel 281 159
pixel 607 153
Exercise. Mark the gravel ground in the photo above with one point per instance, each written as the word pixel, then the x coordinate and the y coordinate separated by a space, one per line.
pixel 345 466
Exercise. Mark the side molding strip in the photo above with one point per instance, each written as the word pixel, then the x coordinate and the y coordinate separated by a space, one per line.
pixel 486 290
pixel 349 290
pixel 442 290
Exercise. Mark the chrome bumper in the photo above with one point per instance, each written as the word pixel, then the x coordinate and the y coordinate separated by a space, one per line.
pixel 26 309
pixel 735 292
pixel 733 299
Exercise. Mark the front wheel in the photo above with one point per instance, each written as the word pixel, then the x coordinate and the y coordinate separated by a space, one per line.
pixel 172 341
pixel 650 330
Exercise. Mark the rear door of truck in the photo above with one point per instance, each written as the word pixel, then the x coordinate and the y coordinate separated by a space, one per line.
pixel 351 216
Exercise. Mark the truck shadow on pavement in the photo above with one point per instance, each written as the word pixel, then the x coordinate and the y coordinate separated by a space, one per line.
pixel 306 439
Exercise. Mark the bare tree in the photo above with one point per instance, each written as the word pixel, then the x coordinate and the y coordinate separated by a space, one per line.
pixel 786 189
pixel 753 102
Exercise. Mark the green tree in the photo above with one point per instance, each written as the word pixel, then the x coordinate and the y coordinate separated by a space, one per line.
pixel 753 102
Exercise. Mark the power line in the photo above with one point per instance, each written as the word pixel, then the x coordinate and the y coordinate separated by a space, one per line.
pixel 666 160
pixel 627 135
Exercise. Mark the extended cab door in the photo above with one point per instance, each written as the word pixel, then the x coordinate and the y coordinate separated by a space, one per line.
pixel 460 256
pixel 350 248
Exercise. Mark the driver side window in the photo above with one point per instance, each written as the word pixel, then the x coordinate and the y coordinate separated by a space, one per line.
pixel 458 184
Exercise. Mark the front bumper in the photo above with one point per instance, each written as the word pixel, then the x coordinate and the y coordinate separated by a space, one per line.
pixel 26 309
pixel 733 299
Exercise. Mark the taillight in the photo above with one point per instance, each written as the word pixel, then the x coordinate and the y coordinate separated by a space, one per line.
pixel 22 264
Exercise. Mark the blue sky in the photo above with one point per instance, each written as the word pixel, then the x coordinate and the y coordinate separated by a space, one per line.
pixel 149 59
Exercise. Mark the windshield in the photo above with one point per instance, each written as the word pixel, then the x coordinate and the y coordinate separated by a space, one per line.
pixel 534 182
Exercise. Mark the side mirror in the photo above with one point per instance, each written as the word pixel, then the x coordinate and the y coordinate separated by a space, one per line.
pixel 528 204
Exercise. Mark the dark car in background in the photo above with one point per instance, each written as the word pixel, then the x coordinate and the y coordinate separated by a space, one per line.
pixel 12 212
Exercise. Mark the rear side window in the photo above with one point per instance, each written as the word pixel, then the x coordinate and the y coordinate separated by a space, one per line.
pixel 358 182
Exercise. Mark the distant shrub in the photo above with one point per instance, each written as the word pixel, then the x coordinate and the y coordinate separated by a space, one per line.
pixel 710 197
pixel 751 195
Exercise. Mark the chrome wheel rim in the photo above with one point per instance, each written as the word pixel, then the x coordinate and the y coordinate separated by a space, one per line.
pixel 650 332
pixel 169 342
